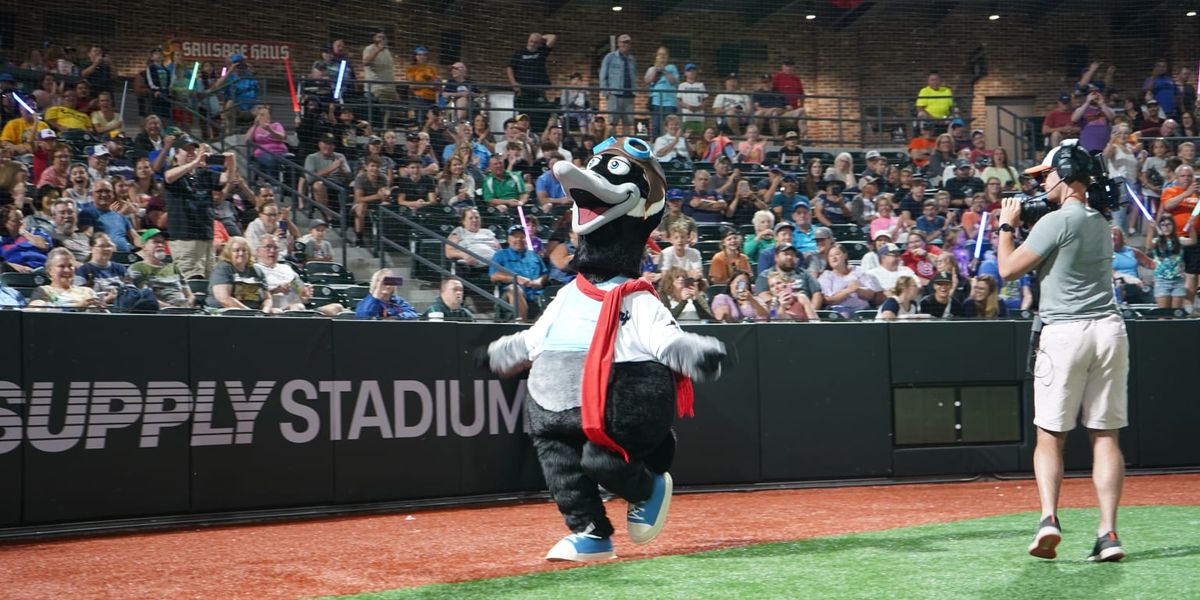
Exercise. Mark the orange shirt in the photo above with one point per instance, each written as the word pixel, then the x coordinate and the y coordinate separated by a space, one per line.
pixel 1183 212
pixel 422 73
pixel 719 269
pixel 916 146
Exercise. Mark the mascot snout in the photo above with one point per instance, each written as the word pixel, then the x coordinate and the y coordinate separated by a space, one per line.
pixel 597 200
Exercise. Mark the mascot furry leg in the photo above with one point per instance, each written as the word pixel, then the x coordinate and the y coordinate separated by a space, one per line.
pixel 610 426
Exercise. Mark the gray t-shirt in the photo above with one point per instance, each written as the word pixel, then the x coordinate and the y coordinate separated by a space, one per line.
pixel 318 162
pixel 1076 271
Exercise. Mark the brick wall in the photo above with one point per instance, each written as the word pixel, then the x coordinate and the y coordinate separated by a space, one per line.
pixel 884 53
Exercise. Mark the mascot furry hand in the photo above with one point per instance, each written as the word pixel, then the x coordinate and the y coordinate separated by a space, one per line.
pixel 609 366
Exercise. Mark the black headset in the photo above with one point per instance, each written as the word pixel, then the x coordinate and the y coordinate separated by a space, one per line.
pixel 1073 163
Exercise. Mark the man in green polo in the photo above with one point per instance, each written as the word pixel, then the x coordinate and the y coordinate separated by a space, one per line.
pixel 502 188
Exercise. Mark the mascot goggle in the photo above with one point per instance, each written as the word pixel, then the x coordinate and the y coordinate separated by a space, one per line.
pixel 621 179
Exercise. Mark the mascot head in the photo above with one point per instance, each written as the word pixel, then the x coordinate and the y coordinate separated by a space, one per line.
pixel 618 200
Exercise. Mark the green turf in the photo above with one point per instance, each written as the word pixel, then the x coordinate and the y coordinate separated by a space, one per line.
pixel 981 558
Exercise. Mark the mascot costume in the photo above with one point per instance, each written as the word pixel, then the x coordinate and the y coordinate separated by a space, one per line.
pixel 609 366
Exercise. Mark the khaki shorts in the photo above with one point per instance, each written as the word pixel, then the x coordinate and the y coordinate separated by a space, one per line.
pixel 1082 369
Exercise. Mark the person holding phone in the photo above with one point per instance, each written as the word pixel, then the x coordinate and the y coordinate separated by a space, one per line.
pixel 382 302
pixel 682 296
pixel 740 303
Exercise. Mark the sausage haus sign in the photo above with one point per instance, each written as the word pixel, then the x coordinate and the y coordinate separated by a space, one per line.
pixel 221 50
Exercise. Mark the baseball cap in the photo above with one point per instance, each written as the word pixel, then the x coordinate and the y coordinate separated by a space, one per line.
pixel 787 61
pixel 801 204
pixel 315 223
pixel 98 150
pixel 674 194
pixel 962 163
pixel 521 117
pixel 890 248
pixel 1048 162
pixel 822 233
pixel 881 233
pixel 47 134
pixel 943 277
pixel 1152 102
pixel 765 77
pixel 319 65
pixel 791 134
pixel 150 233
pixel 420 50
pixel 774 169
pixel 785 247
pixel 926 125
pixel 689 67
pixel 873 154
pixel 515 228
pixel 237 58
pixel 790 178
pixel 184 140
pixel 917 179
pixel 6 77
pixel 330 138
pixel 957 123
pixel 374 140
pixel 173 130
pixel 976 132
pixel 784 224
pixel 731 76
pixel 1064 98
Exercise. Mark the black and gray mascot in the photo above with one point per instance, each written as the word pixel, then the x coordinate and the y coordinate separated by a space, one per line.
pixel 609 366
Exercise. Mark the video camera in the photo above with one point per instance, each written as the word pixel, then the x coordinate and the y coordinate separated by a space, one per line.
pixel 1103 192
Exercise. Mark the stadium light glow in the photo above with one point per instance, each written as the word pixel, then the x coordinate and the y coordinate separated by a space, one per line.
pixel 993 17
pixel 618 8
pixel 810 17
pixel 1191 13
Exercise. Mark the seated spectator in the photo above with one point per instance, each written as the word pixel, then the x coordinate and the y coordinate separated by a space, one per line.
pixel 960 287
pixel 23 250
pixel 382 302
pixel 754 148
pixel 1000 170
pixel 918 256
pixel 963 185
pixel 782 201
pixel 560 259
pixel 19 135
pixel 549 191
pixel 680 254
pixel 316 247
pixel 921 148
pixel 674 213
pixel 713 145
pixel 327 164
pixel 673 143
pixel 817 261
pixel 886 222
pixel 734 107
pixel 105 118
pixel 744 204
pixel 764 236
pixel 704 203
pixel 64 116
pixel 503 188
pixel 267 139
pixel 930 223
pixel 100 273
pixel 954 246
pixel 42 220
pixel 456 187
pixel 984 302
pixel 785 301
pixel 889 268
pixel 66 233
pixel 739 303
pixel 682 295
pixel 477 240
pixel 941 303
pixel 237 282
pixel 79 186
pixel 865 205
pixel 449 304
pixel 58 172
pixel 61 291
pixel 845 289
pixel 974 216
pixel 722 182
pixel 414 189
pixel 370 190
pixel 10 297
pixel 161 277
pixel 464 138
pixel 729 260
pixel 785 233
pixel 831 207
pixel 288 291
pixel 787 262
pixel 870 260
pixel 901 300
pixel 909 203
pixel 273 220
pixel 528 272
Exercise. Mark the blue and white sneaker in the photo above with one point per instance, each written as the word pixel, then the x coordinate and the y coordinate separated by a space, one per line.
pixel 582 547
pixel 645 519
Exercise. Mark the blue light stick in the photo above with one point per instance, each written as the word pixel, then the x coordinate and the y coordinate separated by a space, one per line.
pixel 21 101
pixel 195 71
pixel 983 224
pixel 1138 201
pixel 337 91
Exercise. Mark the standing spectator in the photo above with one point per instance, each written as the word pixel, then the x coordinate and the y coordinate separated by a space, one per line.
pixel 159 276
pixel 576 104
pixel 935 100
pixel 1059 125
pixel 682 295
pixel 618 71
pixel 424 97
pixel 729 260
pixel 527 73
pixel 1179 200
pixel 663 79
pixel 733 106
pixel 681 254
pixel 459 93
pixel 1121 157
pixel 190 210
pixel 449 304
pixel 239 283
pixel 241 90
pixel 845 289
pixel 672 144
pixel 99 72
pixel 1162 87
pixel 1166 248
pixel 901 300
pixel 529 274
pixel 503 188
pixel 379 69
pixel 267 140
pixel 692 95
pixel 158 80
pixel 1094 119
pixel 1154 172
pixel 788 84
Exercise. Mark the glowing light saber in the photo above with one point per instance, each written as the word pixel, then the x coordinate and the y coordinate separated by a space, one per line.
pixel 1138 201
pixel 337 91
pixel 224 70
pixel 195 71
pixel 983 223
pixel 1192 219
pixel 124 91
pixel 23 104
pixel 287 66
pixel 525 224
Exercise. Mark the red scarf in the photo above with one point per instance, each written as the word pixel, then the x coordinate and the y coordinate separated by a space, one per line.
pixel 598 364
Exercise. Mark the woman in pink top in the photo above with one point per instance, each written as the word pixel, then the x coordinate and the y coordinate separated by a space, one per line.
pixel 887 220
pixel 754 149
pixel 268 138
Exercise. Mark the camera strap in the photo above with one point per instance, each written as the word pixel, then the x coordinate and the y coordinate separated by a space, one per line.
pixel 1035 340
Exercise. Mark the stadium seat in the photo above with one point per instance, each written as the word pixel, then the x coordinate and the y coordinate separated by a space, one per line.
pixel 324 294
pixel 353 294
pixel 708 248
pixel 240 312
pixel 830 315
pixel 433 250
pixel 181 310
pixel 1162 313
pixel 856 250
pixel 865 315
pixel 850 231
pixel 714 289
pixel 323 272
pixel 711 231
pixel 126 258
pixel 25 283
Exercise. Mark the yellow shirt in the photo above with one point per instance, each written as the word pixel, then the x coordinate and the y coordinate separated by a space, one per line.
pixel 423 73
pixel 68 118
pixel 17 131
pixel 938 108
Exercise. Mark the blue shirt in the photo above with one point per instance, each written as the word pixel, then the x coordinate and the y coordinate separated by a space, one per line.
pixel 526 264
pixel 1163 88
pixel 374 308
pixel 113 223
pixel 805 241
pixel 477 149
pixel 548 183
pixel 1009 291
pixel 663 91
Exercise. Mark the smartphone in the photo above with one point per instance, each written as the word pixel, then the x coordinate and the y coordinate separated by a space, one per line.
pixel 741 285
pixel 393 280
pixel 688 282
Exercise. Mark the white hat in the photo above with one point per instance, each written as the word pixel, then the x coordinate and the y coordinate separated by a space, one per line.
pixel 99 150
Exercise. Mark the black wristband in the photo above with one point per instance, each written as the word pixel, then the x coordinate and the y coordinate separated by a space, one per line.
pixel 1006 227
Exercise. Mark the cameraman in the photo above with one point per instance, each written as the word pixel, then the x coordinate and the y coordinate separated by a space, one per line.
pixel 1082 360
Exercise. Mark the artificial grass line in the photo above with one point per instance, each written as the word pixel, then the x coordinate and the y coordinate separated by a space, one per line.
pixel 978 558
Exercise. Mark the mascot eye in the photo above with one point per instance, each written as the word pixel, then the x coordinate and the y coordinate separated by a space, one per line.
pixel 595 160
pixel 618 166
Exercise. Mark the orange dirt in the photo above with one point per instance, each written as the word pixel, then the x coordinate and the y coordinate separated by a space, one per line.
pixel 371 553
